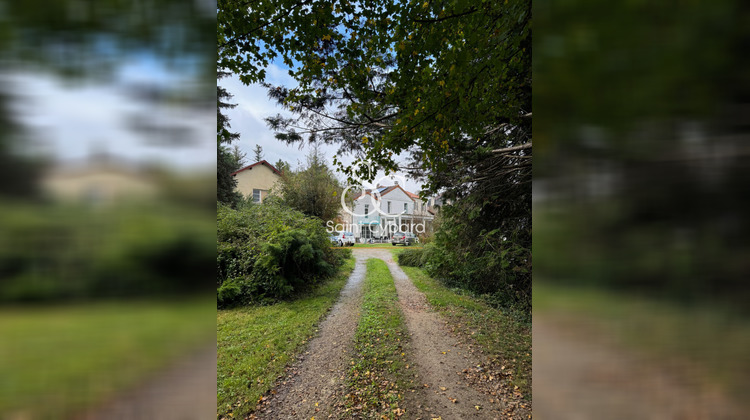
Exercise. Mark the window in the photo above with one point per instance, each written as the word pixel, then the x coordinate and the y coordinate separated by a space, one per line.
pixel 367 210
pixel 389 207
pixel 406 207
pixel 256 195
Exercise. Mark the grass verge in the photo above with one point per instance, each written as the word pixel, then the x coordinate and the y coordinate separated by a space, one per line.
pixel 709 341
pixel 57 361
pixel 503 338
pixel 254 344
pixel 376 379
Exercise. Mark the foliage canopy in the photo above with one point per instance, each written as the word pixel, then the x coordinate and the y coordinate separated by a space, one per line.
pixel 447 81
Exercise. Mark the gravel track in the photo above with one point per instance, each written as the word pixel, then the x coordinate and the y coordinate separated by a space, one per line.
pixel 579 376
pixel 440 360
pixel 315 381
pixel 185 391
pixel 437 359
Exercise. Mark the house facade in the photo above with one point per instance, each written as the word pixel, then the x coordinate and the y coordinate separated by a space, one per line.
pixel 101 180
pixel 257 180
pixel 387 209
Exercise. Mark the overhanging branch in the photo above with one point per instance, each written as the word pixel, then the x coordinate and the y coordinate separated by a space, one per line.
pixel 524 146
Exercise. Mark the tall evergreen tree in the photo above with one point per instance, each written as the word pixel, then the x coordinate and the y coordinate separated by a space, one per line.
pixel 240 157
pixel 20 173
pixel 225 160
pixel 258 151
pixel 313 189
pixel 282 166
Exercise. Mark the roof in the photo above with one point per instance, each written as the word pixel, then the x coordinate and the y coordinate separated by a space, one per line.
pixel 262 162
pixel 412 195
pixel 383 190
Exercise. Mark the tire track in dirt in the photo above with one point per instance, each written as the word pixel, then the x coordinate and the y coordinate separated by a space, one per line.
pixel 315 381
pixel 439 360
pixel 184 391
pixel 578 376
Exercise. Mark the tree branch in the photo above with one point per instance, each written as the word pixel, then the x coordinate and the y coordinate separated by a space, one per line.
pixel 470 11
pixel 513 149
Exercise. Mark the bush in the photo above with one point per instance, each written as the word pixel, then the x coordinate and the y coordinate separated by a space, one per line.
pixel 425 239
pixel 50 253
pixel 467 254
pixel 339 255
pixel 411 257
pixel 266 252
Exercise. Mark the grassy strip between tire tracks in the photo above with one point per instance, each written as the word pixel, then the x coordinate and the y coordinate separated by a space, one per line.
pixel 377 376
pixel 503 339
pixel 255 343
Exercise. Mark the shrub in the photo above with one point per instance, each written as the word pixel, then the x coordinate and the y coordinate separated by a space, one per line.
pixel 339 255
pixel 266 252
pixel 425 239
pixel 51 253
pixel 228 292
pixel 468 255
pixel 411 257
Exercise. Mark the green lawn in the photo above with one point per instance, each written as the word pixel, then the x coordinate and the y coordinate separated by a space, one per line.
pixel 255 343
pixel 59 360
pixel 377 377
pixel 501 336
pixel 713 341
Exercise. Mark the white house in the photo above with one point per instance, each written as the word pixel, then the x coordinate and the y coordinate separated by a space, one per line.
pixel 387 209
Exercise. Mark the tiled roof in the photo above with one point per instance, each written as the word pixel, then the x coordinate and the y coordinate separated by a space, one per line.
pixel 276 171
pixel 383 190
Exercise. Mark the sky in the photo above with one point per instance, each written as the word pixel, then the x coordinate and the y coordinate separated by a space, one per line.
pixel 67 121
pixel 247 119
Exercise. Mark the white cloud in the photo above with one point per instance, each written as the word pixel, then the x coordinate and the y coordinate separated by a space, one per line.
pixel 67 122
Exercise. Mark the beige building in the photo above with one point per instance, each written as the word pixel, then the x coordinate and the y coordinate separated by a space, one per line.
pixel 257 180
pixel 98 181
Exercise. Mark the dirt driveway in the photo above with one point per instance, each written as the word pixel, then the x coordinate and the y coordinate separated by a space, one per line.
pixel 316 381
pixel 577 375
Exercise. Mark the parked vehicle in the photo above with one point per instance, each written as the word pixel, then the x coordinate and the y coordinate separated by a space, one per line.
pixel 403 238
pixel 344 238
